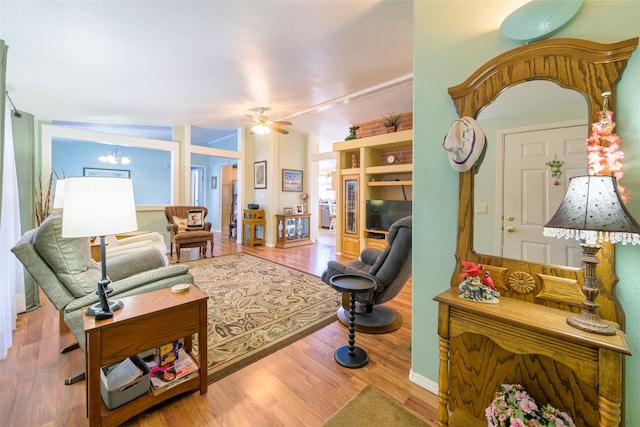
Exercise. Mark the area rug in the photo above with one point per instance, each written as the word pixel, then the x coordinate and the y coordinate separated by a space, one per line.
pixel 371 407
pixel 256 307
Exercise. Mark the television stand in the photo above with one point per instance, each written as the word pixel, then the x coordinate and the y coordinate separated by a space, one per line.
pixel 376 238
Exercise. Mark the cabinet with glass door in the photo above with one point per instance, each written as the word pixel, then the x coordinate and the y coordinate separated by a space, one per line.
pixel 350 230
pixel 292 230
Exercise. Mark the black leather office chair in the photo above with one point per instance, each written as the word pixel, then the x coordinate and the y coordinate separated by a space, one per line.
pixel 389 268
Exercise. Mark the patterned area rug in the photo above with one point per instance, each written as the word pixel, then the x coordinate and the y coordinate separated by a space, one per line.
pixel 256 307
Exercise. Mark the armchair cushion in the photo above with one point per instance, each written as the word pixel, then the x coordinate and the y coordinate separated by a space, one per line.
pixel 195 219
pixel 69 258
pixel 181 224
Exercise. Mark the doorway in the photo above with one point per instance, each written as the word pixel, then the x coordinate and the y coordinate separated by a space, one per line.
pixel 531 195
pixel 197 186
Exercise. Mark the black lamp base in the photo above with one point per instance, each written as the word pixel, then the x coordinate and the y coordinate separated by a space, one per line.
pixel 97 310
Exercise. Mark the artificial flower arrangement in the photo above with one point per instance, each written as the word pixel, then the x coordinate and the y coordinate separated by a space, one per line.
pixel 603 150
pixel 513 407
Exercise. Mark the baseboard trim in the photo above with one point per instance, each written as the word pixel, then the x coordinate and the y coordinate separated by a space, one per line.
pixel 424 382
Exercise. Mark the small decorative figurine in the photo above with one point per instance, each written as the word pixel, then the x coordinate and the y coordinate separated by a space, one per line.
pixel 555 166
pixel 352 133
pixel 477 285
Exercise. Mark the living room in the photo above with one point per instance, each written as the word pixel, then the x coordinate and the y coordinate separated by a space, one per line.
pixel 450 41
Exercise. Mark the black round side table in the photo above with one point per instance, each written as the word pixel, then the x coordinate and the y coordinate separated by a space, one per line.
pixel 351 356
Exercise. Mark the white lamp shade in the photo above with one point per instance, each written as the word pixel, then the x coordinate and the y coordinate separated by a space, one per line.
pixel 98 206
pixel 58 200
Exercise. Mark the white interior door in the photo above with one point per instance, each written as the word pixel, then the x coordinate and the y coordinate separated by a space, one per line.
pixel 530 196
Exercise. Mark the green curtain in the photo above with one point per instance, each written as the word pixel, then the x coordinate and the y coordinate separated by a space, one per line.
pixel 24 147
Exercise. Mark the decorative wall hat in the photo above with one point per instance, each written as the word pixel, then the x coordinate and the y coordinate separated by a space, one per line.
pixel 464 143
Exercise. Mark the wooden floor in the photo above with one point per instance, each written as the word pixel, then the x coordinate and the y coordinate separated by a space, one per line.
pixel 300 385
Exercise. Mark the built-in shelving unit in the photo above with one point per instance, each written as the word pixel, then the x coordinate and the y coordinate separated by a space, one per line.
pixel 364 161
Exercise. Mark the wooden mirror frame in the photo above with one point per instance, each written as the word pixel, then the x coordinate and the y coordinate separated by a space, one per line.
pixel 584 66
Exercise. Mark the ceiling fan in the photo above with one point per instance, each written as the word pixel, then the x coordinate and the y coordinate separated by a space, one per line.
pixel 263 125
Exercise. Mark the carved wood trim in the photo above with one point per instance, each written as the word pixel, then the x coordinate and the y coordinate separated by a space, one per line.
pixel 585 66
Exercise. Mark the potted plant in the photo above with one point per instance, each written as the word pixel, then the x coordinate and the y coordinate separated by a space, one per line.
pixel 392 120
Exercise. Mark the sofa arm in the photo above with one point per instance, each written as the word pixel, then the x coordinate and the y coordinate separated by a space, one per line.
pixel 120 267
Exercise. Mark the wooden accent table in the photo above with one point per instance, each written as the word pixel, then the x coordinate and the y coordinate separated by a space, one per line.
pixel 351 356
pixel 485 345
pixel 146 321
pixel 254 227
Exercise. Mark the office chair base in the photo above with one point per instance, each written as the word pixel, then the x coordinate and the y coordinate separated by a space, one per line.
pixel 381 321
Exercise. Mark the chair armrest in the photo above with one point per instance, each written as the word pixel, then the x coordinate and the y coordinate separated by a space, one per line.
pixel 139 283
pixel 120 267
pixel 370 255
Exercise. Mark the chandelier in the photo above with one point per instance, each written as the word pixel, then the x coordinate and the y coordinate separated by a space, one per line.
pixel 114 158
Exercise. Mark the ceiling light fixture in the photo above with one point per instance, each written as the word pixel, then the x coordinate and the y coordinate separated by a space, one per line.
pixel 114 158
pixel 260 129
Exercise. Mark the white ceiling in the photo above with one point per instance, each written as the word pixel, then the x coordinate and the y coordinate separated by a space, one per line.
pixel 207 63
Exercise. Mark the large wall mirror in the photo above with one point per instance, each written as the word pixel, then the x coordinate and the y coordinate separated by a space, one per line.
pixel 581 70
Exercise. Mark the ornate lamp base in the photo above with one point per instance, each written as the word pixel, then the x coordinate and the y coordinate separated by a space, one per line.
pixel 591 322
pixel 588 320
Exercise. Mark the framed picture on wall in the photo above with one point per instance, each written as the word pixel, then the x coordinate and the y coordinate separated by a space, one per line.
pixel 112 173
pixel 214 182
pixel 260 174
pixel 291 180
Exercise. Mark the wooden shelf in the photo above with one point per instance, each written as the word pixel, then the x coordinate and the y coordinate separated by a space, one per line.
pixel 350 171
pixel 388 183
pixel 387 169
pixel 384 141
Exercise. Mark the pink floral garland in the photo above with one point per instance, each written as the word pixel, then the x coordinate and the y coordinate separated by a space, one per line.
pixel 603 151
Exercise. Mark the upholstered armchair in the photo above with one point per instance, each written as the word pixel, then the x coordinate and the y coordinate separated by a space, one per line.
pixel 64 270
pixel 188 229
pixel 389 268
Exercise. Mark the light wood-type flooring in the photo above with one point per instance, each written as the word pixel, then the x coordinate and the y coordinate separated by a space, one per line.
pixel 299 385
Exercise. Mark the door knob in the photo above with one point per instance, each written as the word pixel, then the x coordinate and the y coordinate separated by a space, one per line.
pixel 511 229
pixel 510 218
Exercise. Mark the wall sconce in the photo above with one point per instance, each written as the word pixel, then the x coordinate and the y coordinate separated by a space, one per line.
pixel 592 211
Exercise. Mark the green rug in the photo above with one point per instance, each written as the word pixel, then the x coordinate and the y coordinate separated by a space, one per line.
pixel 256 307
pixel 371 407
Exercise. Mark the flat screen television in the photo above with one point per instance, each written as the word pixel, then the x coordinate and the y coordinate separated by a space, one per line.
pixel 382 213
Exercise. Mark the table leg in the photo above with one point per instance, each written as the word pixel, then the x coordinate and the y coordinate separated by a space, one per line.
pixel 351 356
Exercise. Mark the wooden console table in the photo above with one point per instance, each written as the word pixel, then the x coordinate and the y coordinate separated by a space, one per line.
pixel 147 320
pixel 485 345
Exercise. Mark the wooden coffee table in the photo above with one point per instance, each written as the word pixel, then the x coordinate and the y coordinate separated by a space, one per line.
pixel 147 320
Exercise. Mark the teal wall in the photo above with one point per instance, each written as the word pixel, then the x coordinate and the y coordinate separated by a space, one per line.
pixel 451 40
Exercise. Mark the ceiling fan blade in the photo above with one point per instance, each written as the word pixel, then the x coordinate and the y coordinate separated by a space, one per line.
pixel 282 123
pixel 277 129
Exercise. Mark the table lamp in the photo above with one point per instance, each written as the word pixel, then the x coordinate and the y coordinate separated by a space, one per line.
pixel 99 206
pixel 592 212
